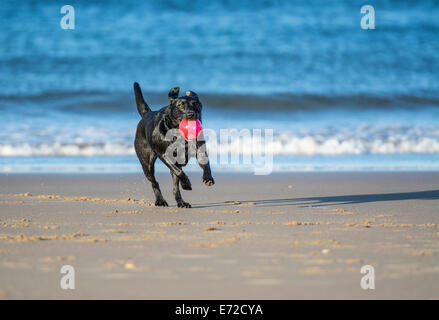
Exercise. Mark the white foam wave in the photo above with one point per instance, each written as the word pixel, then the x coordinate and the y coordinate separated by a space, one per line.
pixel 282 144
pixel 58 149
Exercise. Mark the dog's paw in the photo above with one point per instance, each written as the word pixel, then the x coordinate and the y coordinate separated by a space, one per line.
pixel 161 203
pixel 208 181
pixel 183 204
pixel 185 183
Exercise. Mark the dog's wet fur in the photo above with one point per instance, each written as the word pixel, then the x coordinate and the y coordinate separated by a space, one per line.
pixel 150 142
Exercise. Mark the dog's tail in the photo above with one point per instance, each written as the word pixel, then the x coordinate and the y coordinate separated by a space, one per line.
pixel 142 107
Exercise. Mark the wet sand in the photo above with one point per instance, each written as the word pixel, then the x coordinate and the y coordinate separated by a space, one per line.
pixel 282 236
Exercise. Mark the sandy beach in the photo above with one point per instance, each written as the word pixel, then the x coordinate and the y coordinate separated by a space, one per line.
pixel 282 236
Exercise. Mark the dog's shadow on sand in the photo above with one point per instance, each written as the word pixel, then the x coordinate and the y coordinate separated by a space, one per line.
pixel 333 200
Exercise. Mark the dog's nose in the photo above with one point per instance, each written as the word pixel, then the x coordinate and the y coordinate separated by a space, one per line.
pixel 191 114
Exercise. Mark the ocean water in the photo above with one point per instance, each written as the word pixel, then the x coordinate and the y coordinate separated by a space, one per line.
pixel 336 97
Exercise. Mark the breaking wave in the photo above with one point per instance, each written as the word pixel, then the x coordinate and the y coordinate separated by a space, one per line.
pixel 365 140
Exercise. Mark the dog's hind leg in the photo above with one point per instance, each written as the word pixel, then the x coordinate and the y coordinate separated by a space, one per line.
pixel 177 194
pixel 147 159
pixel 149 173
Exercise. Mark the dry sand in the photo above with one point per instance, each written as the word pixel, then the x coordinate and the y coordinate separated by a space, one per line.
pixel 282 236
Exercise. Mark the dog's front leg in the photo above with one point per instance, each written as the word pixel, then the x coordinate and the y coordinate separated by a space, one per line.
pixel 203 162
pixel 184 180
pixel 177 195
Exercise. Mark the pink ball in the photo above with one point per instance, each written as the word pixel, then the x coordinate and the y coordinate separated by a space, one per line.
pixel 190 129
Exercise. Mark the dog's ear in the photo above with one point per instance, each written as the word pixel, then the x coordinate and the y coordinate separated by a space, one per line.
pixel 191 94
pixel 173 93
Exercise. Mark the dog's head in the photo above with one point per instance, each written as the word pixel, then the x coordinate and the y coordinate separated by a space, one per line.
pixel 187 107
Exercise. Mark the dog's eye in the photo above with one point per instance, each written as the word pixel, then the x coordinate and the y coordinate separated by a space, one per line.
pixel 180 106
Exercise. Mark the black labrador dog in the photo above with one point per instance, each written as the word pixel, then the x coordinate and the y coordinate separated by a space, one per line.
pixel 152 142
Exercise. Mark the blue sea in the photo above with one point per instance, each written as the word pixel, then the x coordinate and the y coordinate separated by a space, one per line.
pixel 337 97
